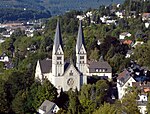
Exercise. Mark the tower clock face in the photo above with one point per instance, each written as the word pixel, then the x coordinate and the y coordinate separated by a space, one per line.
pixel 70 81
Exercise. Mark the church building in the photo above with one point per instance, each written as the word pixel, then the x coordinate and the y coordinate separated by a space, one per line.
pixel 64 75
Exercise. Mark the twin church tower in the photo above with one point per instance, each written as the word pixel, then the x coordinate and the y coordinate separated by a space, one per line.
pixel 64 75
pixel 61 74
pixel 58 54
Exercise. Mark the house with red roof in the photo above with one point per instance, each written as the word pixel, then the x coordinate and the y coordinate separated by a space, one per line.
pixel 124 80
pixel 146 16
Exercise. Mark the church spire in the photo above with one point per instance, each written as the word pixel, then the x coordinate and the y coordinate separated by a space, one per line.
pixel 58 38
pixel 80 38
pixel 57 54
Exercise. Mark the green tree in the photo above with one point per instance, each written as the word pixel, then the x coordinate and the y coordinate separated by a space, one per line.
pixel 74 104
pixel 87 98
pixel 107 109
pixel 142 54
pixel 93 96
pixel 116 62
pixel 17 80
pixel 110 52
pixel 31 93
pixel 19 102
pixel 4 104
pixel 102 88
pixel 94 54
pixel 128 103
pixel 45 92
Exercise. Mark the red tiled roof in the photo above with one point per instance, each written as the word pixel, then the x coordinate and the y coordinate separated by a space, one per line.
pixel 122 74
pixel 147 84
pixel 146 15
pixel 146 89
pixel 129 42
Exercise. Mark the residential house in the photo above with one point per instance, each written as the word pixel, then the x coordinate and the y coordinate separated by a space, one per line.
pixel 123 35
pixel 100 68
pixel 143 97
pixel 129 53
pixel 110 21
pixel 2 40
pixel 48 107
pixel 89 14
pixel 133 14
pixel 146 16
pixel 120 14
pixel 142 102
pixel 128 42
pixel 32 48
pixel 7 61
pixel 124 81
pixel 6 34
pixel 81 17
pixel 137 43
pixel 131 76
pixel 4 58
pixel 105 18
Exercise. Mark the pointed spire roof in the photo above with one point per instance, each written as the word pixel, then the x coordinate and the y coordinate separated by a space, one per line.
pixel 58 38
pixel 80 37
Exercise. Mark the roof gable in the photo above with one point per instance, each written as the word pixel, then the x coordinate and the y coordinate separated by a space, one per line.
pixel 82 50
pixel 99 65
pixel 71 67
pixel 125 76
pixel 59 50
pixel 46 65
pixel 47 106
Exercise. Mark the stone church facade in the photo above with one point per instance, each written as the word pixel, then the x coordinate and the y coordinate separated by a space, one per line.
pixel 64 75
